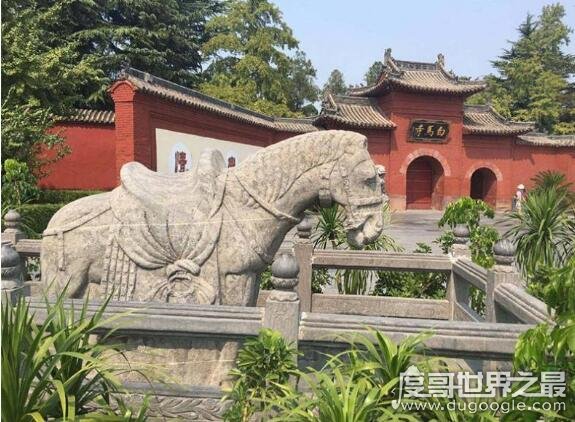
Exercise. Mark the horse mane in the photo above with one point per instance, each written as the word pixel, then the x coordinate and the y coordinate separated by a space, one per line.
pixel 282 164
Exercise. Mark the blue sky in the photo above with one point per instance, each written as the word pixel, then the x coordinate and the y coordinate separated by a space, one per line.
pixel 350 35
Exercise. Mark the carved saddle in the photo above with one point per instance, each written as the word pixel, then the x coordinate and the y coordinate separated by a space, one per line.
pixel 170 222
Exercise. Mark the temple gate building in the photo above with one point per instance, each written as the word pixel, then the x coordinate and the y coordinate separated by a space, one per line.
pixel 435 147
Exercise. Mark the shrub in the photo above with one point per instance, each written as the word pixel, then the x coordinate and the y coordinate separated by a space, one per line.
pixel 35 217
pixel 18 184
pixel 465 211
pixel 263 365
pixel 48 196
pixel 481 245
pixel 408 284
pixel 552 347
pixel 482 238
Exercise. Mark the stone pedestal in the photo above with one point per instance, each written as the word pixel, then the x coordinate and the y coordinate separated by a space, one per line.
pixel 502 272
pixel 282 309
pixel 12 272
pixel 460 249
pixel 12 232
pixel 303 251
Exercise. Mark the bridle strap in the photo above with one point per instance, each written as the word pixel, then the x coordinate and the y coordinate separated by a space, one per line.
pixel 324 193
pixel 266 205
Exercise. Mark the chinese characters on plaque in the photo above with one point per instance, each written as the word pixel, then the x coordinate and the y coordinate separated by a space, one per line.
pixel 429 130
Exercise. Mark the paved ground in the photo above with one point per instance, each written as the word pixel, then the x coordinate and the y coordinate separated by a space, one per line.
pixel 410 227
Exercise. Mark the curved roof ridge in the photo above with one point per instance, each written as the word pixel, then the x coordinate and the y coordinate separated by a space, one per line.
pixel 89 115
pixel 418 77
pixel 355 112
pixel 482 119
pixel 171 91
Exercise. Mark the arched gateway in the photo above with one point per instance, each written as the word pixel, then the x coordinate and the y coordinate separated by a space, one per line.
pixel 424 184
pixel 483 185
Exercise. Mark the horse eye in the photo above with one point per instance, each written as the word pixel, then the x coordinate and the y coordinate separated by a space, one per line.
pixel 371 181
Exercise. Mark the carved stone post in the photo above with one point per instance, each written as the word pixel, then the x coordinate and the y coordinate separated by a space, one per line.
pixel 12 233
pixel 502 272
pixel 460 249
pixel 303 251
pixel 458 292
pixel 282 309
pixel 12 272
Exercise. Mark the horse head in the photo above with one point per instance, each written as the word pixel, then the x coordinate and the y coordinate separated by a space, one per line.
pixel 354 183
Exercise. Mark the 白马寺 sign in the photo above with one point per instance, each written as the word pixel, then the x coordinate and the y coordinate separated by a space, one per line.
pixel 429 130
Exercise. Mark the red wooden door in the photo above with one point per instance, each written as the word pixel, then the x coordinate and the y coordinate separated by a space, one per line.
pixel 419 184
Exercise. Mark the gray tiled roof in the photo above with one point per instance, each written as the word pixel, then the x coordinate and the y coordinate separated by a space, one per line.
pixel 83 115
pixel 418 77
pixel 483 120
pixel 544 140
pixel 170 91
pixel 353 111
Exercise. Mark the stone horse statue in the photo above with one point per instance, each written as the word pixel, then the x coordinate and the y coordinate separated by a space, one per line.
pixel 204 236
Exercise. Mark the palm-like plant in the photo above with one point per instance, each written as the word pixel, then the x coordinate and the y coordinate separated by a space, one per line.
pixel 381 358
pixel 329 230
pixel 53 369
pixel 354 386
pixel 338 398
pixel 544 231
pixel 549 179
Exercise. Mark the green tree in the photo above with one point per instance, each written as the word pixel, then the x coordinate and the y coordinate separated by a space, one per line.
pixel 249 60
pixel 302 89
pixel 56 54
pixel 372 74
pixel 26 137
pixel 534 74
pixel 335 84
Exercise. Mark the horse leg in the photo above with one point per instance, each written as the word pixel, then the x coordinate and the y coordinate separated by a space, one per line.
pixel 240 289
pixel 74 275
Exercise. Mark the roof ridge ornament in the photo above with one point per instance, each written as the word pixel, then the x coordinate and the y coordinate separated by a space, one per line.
pixel 389 62
pixel 440 60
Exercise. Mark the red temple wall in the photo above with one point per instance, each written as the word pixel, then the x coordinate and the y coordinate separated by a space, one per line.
pixel 99 151
pixel 142 114
pixel 402 108
pixel 90 164
pixel 529 160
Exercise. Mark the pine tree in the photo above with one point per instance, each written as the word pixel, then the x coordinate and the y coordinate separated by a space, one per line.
pixel 372 74
pixel 534 74
pixel 249 62
pixel 57 53
pixel 335 84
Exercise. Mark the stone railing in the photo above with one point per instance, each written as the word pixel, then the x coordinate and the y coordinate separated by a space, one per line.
pixel 317 323
pixel 506 299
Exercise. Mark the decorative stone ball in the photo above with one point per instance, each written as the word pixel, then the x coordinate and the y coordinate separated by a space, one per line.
pixel 11 267
pixel 12 219
pixel 461 233
pixel 304 227
pixel 285 266
pixel 504 252
pixel 10 258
